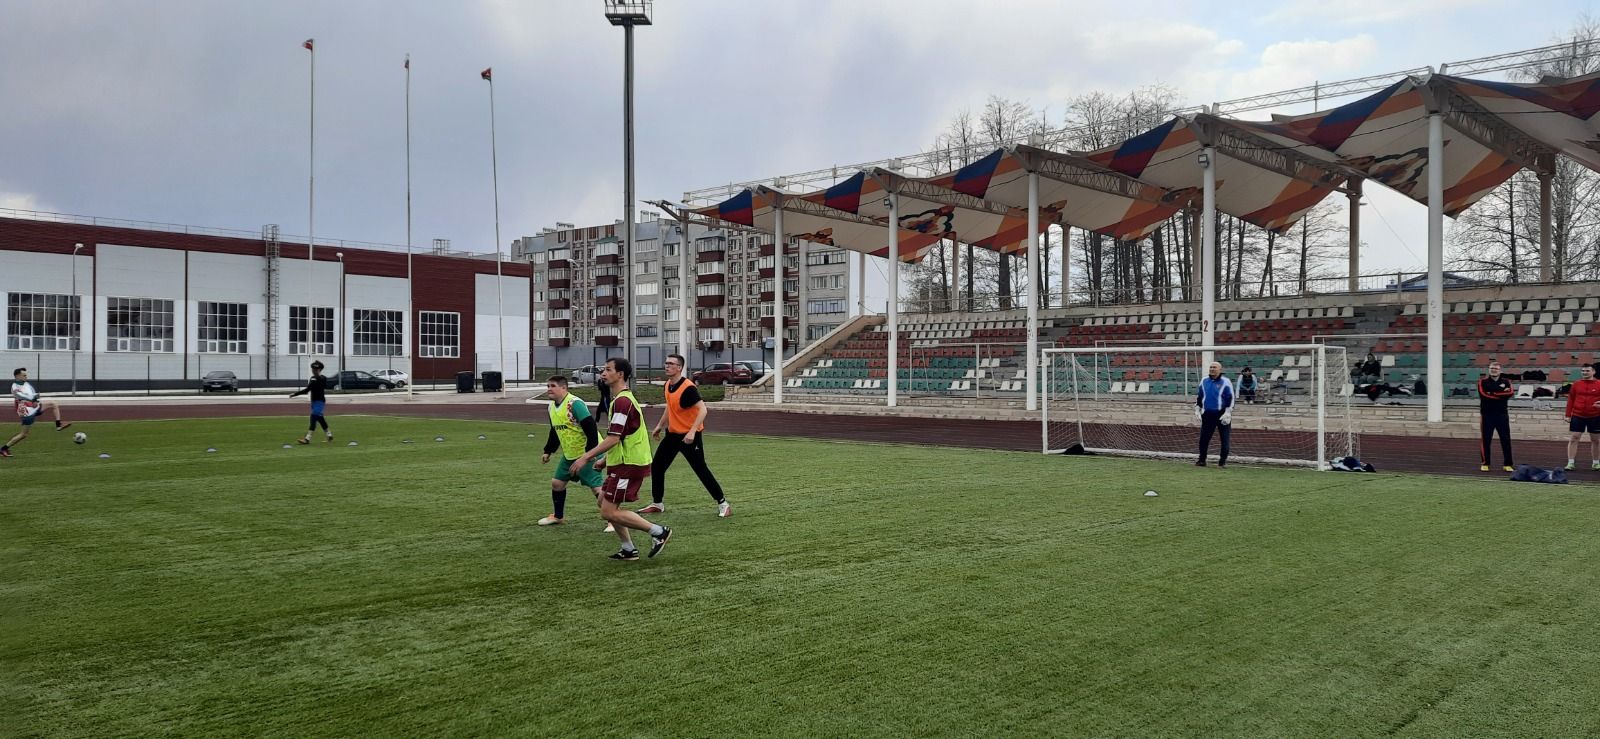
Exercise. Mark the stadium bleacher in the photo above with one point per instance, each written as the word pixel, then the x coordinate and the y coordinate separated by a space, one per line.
pixel 985 353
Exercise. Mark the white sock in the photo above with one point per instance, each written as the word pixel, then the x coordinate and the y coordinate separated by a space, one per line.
pixel 1571 461
pixel 655 529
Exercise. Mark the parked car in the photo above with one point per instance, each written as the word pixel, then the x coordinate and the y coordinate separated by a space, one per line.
pixel 359 380
pixel 586 375
pixel 723 372
pixel 400 379
pixel 758 369
pixel 219 381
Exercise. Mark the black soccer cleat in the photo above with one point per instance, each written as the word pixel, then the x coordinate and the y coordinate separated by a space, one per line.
pixel 659 543
pixel 630 555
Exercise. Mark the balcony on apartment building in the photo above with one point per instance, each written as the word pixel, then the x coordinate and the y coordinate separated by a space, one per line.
pixel 607 319
pixel 709 250
pixel 558 303
pixel 559 279
pixel 610 276
pixel 708 323
pixel 789 319
pixel 608 252
pixel 559 259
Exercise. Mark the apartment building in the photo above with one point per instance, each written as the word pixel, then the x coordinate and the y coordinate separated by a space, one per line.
pixel 579 299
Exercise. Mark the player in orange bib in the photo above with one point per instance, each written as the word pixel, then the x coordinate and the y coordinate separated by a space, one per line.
pixel 684 424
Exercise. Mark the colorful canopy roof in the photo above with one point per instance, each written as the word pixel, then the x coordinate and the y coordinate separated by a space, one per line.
pixel 1267 173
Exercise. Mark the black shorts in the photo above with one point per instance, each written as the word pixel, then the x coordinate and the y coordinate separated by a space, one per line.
pixel 1580 424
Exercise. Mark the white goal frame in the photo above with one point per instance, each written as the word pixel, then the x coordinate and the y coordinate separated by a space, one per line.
pixel 1320 369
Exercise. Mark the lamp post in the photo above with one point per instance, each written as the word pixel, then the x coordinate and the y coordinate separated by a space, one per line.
pixel 344 338
pixel 77 317
pixel 627 14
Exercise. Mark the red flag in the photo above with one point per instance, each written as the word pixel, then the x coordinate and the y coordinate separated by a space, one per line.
pixel 308 44
pixel 486 74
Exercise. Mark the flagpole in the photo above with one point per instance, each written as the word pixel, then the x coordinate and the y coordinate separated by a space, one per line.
pixel 411 317
pixel 311 197
pixel 499 305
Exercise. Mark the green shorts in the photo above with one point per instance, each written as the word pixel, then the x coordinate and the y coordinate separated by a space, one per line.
pixel 588 475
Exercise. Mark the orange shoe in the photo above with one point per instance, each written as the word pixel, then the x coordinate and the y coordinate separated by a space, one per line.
pixel 551 520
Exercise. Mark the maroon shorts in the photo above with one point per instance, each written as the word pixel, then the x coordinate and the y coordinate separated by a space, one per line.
pixel 624 488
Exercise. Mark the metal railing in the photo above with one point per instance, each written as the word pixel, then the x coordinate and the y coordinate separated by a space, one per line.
pixel 1398 282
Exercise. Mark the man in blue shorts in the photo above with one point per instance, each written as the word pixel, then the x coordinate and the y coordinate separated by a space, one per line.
pixel 318 387
pixel 572 432
pixel 30 408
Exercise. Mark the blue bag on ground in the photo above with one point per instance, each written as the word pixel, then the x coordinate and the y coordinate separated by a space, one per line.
pixel 1530 473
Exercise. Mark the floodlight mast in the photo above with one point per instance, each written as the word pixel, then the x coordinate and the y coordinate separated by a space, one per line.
pixel 627 15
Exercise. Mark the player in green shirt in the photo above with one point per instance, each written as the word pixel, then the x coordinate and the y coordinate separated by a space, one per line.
pixel 572 432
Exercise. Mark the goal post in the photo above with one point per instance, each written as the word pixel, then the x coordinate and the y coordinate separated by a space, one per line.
pixel 1139 401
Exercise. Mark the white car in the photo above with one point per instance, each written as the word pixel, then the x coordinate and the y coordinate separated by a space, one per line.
pixel 586 375
pixel 400 379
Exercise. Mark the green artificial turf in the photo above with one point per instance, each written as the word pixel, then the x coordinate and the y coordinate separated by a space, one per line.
pixel 396 589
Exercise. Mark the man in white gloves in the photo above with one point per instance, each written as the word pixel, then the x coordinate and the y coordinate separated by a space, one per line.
pixel 1213 406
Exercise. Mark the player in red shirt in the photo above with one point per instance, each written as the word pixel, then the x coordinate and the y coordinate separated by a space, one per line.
pixel 1583 415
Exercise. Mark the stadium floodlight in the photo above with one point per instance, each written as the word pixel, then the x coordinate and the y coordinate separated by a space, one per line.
pixel 1139 401
pixel 628 15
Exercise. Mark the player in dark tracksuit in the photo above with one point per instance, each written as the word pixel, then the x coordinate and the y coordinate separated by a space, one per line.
pixel 1494 392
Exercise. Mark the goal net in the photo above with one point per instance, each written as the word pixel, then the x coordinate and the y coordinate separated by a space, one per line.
pixel 1140 400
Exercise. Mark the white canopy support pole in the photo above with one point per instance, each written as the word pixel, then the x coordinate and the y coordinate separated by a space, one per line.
pixel 1546 274
pixel 1195 259
pixel 1435 268
pixel 861 283
pixel 1066 265
pixel 955 276
pixel 1355 235
pixel 894 298
pixel 1033 291
pixel 777 303
pixel 683 285
pixel 1208 256
pixel 804 292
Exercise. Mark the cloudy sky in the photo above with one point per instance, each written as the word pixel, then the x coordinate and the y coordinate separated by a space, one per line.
pixel 195 111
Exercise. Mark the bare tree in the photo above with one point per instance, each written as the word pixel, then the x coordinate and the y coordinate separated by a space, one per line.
pixel 1002 121
pixel 1501 232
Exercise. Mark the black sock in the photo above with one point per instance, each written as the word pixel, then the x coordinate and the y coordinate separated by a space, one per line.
pixel 58 424
pixel 558 499
pixel 6 447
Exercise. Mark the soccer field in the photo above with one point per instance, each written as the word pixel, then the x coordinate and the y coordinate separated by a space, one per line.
pixel 858 590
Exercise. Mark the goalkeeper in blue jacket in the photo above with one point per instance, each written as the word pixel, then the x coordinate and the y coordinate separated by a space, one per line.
pixel 1213 406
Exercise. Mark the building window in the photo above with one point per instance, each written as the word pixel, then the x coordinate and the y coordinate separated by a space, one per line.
pixel 670 250
pixel 138 325
pixel 816 331
pixel 709 268
pixel 538 296
pixel 441 334
pixel 645 330
pixel 832 256
pixel 752 313
pixel 376 333
pixel 710 288
pixel 42 322
pixel 224 328
pixel 310 330
pixel 825 306
pixel 539 315
pixel 647 309
pixel 646 267
pixel 645 245
pixel 646 288
pixel 671 292
pixel 671 337
pixel 671 314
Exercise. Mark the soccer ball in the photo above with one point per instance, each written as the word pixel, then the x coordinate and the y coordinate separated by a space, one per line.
pixel 80 438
